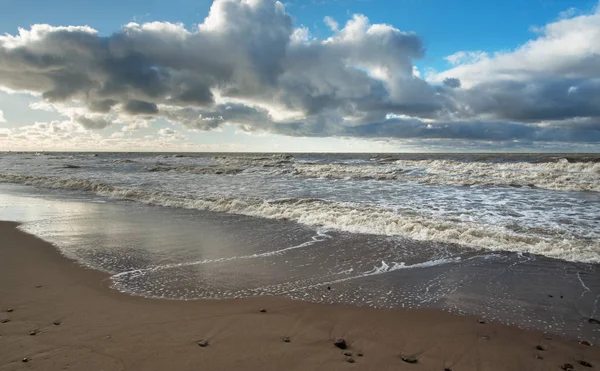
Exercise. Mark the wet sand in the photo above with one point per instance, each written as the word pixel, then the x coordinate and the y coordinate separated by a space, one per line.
pixel 98 328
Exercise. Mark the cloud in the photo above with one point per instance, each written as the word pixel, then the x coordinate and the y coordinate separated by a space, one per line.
pixel 170 134
pixel 331 23
pixel 463 57
pixel 2 119
pixel 480 130
pixel 93 122
pixel 553 78
pixel 247 65
pixel 166 132
pixel 138 107
pixel 451 82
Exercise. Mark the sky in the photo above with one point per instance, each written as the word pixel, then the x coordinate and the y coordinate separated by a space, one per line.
pixel 300 76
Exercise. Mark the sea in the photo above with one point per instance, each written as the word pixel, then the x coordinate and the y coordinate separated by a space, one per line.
pixel 512 238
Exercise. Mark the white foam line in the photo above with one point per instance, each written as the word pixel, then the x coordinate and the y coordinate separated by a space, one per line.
pixel 321 236
pixel 595 306
pixel 385 268
pixel 585 288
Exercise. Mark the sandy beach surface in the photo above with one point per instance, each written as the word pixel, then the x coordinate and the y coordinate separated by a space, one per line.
pixel 57 315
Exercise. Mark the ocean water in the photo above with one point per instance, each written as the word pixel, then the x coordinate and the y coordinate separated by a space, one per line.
pixel 514 238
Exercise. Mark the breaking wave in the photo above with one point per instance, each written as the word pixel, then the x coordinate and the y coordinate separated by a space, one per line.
pixel 562 175
pixel 194 169
pixel 346 217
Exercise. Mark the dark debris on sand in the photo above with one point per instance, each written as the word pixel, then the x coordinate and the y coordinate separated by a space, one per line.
pixel 350 360
pixel 340 343
pixel 34 332
pixel 539 347
pixel 286 339
pixel 584 363
pixel 5 320
pixel 410 359
pixel 263 310
pixel 203 343
pixel 594 321
pixel 567 366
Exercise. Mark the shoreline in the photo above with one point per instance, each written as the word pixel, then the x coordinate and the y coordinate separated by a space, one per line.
pixel 102 329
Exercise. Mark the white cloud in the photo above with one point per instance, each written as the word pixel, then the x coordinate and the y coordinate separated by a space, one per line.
pixel 567 48
pixel 331 23
pixel 2 119
pixel 468 57
pixel 166 132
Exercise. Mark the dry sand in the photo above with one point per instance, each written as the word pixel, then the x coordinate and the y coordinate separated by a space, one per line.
pixel 101 329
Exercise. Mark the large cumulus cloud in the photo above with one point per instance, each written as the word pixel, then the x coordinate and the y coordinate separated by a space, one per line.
pixel 247 64
pixel 552 81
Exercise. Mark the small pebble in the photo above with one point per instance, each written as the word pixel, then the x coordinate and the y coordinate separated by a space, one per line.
pixel 567 366
pixel 286 339
pixel 203 343
pixel 25 360
pixel 585 343
pixel 538 356
pixel 410 359
pixel 348 354
pixel 350 360
pixel 263 310
pixel 9 310
pixel 550 296
pixel 481 321
pixel 359 354
pixel 56 323
pixel 447 369
pixel 328 287
pixel 594 321
pixel 33 332
pixel 585 364
pixel 5 320
pixel 38 286
pixel 539 347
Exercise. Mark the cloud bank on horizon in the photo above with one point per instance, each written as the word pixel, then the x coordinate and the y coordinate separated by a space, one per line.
pixel 248 65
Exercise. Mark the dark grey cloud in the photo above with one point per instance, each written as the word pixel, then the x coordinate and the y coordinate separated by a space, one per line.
pixel 451 82
pixel 478 130
pixel 247 65
pixel 138 107
pixel 93 123
pixel 552 98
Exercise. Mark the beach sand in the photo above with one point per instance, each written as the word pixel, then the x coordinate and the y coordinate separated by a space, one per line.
pixel 66 317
